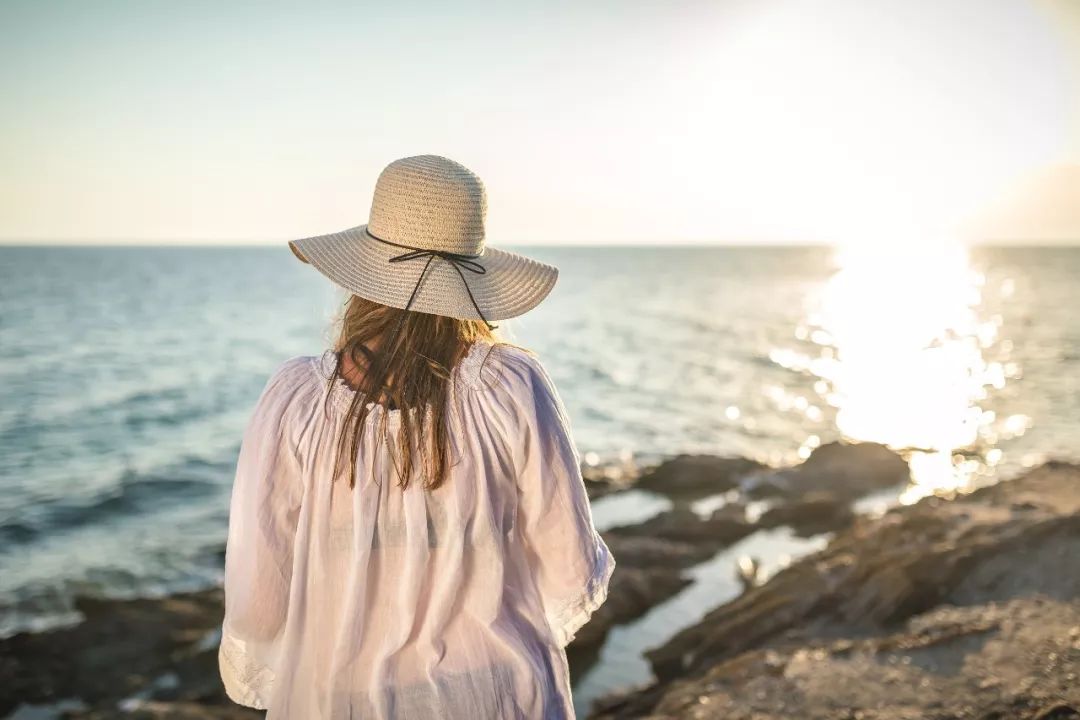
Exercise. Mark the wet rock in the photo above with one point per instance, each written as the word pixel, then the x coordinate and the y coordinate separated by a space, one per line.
pixel 723 527
pixel 599 488
pixel 123 649
pixel 811 514
pixel 1058 711
pixel 607 478
pixel 644 551
pixel 688 477
pixel 843 470
pixel 158 710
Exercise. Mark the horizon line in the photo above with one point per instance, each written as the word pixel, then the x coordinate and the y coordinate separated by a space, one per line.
pixel 1033 241
pixel 235 243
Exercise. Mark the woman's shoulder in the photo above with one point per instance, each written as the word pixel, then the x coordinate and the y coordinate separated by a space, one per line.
pixel 290 382
pixel 296 370
pixel 502 367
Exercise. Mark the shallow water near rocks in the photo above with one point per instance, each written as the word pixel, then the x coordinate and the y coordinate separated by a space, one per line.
pixel 627 508
pixel 621 663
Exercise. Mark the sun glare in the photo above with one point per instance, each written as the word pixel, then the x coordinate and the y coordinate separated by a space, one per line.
pixel 903 362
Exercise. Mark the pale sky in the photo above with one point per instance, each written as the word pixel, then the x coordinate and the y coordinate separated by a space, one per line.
pixel 590 121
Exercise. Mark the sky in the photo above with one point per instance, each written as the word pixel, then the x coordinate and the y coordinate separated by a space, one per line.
pixel 602 121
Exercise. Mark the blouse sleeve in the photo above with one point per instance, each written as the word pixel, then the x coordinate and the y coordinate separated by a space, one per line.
pixel 263 514
pixel 570 562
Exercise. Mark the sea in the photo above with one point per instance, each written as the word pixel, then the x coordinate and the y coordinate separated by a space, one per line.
pixel 127 375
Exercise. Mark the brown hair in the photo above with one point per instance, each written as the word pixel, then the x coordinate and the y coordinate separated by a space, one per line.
pixel 406 359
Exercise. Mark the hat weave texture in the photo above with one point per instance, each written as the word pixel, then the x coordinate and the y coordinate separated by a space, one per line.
pixel 431 203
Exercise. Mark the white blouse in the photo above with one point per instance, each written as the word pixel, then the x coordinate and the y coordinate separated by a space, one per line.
pixel 375 602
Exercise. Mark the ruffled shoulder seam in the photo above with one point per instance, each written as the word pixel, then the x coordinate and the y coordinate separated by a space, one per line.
pixel 501 363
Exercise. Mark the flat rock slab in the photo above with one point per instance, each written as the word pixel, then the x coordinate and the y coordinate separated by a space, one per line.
pixel 810 514
pixel 688 477
pixel 842 470
pixel 681 525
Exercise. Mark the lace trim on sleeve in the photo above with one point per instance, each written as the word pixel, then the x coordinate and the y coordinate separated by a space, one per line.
pixel 568 618
pixel 246 681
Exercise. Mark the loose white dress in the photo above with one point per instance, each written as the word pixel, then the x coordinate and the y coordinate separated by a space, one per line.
pixel 375 602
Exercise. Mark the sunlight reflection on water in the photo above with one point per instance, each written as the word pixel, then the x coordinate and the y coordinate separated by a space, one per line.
pixel 901 358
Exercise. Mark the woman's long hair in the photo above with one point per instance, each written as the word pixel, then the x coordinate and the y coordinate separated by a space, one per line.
pixel 407 369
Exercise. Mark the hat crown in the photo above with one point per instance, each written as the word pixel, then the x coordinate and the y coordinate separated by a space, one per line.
pixel 431 203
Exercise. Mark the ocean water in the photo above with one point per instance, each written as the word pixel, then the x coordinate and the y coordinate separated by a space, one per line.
pixel 127 374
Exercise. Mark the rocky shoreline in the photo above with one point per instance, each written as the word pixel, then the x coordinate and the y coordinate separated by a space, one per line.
pixel 944 609
pixel 968 608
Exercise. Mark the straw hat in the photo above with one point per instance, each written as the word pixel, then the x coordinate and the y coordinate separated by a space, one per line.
pixel 423 248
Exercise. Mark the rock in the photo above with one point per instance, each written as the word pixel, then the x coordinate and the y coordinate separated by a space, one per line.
pixel 1058 711
pixel 599 488
pixel 811 514
pixel 157 710
pixel 688 477
pixel 607 478
pixel 841 622
pixel 644 551
pixel 123 649
pixel 845 471
pixel 723 527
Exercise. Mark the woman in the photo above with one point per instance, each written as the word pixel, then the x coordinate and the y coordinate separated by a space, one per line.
pixel 409 534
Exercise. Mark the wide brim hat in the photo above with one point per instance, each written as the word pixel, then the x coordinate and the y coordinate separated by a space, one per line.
pixel 423 248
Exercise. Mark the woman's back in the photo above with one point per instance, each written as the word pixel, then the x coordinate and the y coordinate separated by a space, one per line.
pixel 383 602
